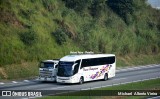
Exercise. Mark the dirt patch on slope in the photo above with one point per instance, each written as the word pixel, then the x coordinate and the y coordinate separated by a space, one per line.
pixel 2 72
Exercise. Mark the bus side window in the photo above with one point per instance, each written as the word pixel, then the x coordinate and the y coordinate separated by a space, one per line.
pixel 83 64
pixel 87 62
pixel 112 60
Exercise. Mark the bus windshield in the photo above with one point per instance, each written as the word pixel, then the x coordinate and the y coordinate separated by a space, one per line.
pixel 46 65
pixel 65 69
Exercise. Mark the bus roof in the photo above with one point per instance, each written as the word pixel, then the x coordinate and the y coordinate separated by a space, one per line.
pixel 83 56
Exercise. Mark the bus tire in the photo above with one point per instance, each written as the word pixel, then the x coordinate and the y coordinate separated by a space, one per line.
pixel 81 80
pixel 105 77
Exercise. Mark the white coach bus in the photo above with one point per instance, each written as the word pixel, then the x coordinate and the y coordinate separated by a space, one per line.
pixel 82 68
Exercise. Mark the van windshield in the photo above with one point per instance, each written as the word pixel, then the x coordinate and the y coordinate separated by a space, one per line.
pixel 46 65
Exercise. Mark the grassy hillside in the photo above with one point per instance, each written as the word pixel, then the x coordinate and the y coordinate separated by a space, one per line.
pixel 34 30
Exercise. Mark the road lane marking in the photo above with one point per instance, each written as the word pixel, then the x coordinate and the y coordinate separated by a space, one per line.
pixel 60 87
pixel 26 80
pixel 120 79
pixel 14 82
pixel 1 83
pixel 37 79
pixel 55 88
pixel 138 67
pixel 157 97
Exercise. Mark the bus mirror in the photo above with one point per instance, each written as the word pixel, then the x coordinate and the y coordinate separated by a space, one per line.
pixel 74 65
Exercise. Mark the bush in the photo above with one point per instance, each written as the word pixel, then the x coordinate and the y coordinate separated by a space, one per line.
pixel 60 36
pixel 97 6
pixel 48 5
pixel 28 38
pixel 122 7
pixel 26 13
pixel 101 45
pixel 78 5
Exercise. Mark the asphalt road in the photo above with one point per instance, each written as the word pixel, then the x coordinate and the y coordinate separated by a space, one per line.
pixel 123 76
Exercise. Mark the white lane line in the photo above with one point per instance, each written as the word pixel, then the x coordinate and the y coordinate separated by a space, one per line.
pixel 106 86
pixel 138 67
pixel 55 88
pixel 157 97
pixel 1 83
pixel 60 87
pixel 14 82
pixel 86 89
pixel 37 79
pixel 26 81
pixel 120 79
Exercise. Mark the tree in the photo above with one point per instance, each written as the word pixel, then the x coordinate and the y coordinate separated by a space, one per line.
pixel 123 8
pixel 78 5
pixel 97 6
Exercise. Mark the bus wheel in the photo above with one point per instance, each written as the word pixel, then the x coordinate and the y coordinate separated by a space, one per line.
pixel 105 77
pixel 81 80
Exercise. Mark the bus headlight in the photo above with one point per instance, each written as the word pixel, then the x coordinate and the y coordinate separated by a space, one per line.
pixel 71 78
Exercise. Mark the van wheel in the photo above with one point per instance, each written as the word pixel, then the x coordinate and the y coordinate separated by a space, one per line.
pixel 105 77
pixel 81 80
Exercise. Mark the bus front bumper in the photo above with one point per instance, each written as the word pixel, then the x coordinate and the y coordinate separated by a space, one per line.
pixel 61 80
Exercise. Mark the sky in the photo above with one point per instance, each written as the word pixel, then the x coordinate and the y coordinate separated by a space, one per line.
pixel 154 3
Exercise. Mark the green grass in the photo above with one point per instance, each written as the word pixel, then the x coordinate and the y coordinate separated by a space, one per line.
pixel 137 60
pixel 144 85
pixel 27 28
pixel 19 71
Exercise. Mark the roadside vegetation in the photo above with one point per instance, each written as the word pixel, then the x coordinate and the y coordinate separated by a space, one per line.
pixel 34 30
